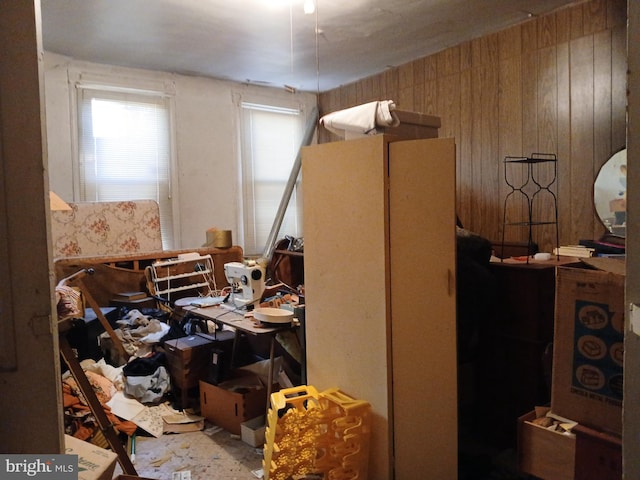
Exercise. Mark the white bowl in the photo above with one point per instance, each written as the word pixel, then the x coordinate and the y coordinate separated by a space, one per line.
pixel 273 315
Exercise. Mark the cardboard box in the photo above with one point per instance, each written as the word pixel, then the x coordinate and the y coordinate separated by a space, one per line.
pixel 598 455
pixel 94 463
pixel 545 453
pixel 232 402
pixel 253 431
pixel 588 344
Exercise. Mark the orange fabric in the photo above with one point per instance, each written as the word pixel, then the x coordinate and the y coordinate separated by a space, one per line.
pixel 83 426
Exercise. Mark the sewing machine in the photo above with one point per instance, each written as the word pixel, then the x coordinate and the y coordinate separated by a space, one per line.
pixel 247 282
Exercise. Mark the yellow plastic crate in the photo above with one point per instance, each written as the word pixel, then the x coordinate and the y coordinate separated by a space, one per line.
pixel 308 432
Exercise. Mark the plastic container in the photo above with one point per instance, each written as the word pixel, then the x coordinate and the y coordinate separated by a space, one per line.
pixel 308 432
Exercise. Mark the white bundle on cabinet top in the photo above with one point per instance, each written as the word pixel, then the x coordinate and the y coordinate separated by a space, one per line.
pixel 362 119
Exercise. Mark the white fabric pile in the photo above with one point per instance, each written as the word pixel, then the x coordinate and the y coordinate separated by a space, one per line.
pixel 362 119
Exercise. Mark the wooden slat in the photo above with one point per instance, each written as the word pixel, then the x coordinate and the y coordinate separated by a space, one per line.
pixel 618 88
pixel 545 208
pixel 464 171
pixel 595 16
pixel 510 139
pixel 582 172
pixel 546 31
pixel 564 144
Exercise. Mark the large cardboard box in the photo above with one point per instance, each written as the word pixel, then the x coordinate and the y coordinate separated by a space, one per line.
pixel 588 344
pixel 94 463
pixel 545 453
pixel 232 402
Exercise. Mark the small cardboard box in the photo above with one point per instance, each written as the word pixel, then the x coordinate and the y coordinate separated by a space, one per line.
pixel 253 431
pixel 94 463
pixel 588 344
pixel 545 453
pixel 232 402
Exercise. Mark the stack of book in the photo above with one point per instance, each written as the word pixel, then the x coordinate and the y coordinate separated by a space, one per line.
pixel 579 251
pixel 133 300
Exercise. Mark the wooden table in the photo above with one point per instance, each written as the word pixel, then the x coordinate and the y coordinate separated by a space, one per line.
pixel 247 325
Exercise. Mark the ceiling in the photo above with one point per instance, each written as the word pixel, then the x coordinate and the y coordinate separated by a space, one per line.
pixel 273 42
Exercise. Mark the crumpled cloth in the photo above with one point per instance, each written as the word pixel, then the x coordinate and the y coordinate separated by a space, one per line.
pixel 148 388
pixel 138 333
pixel 362 119
pixel 79 420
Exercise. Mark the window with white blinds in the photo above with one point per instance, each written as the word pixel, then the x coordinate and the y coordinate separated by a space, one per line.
pixel 125 150
pixel 270 138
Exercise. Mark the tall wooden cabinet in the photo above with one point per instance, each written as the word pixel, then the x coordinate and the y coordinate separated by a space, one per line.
pixel 379 237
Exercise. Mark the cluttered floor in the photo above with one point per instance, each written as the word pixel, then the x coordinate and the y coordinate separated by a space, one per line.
pixel 212 453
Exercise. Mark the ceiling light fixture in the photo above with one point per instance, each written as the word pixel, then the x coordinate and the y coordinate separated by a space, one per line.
pixel 309 7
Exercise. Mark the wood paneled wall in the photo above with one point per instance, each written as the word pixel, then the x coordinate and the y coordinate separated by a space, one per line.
pixel 553 84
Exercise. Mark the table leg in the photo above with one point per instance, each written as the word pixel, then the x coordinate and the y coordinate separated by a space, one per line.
pixel 270 376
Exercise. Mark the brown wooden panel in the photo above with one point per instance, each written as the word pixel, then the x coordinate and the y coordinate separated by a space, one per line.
pixel 563 25
pixel 510 43
pixel 582 171
pixel 464 172
pixel 510 141
pixel 448 61
pixel 530 103
pixel 545 205
pixel 404 99
pixel 602 104
pixel 577 21
pixel 475 134
pixel 430 68
pixel 364 91
pixel 618 88
pixel 466 56
pixel 348 95
pixel 595 16
pixel 418 85
pixel 390 83
pixel 564 144
pixel 546 31
pixel 529 36
pixel 430 100
pixel 602 97
pixel 490 160
pixel 405 76
pixel 448 104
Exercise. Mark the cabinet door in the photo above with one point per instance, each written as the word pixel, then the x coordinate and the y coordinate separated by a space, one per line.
pixel 422 263
pixel 346 278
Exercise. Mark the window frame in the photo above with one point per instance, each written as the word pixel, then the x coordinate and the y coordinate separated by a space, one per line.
pixel 162 87
pixel 273 105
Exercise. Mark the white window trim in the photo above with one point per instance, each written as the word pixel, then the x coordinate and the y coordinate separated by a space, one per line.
pixel 80 78
pixel 277 100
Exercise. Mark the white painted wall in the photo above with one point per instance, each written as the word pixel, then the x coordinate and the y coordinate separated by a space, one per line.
pixel 206 142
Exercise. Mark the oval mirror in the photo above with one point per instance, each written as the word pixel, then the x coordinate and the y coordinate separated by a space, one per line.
pixel 610 194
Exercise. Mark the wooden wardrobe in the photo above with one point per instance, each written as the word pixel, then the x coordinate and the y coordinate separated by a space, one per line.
pixel 379 239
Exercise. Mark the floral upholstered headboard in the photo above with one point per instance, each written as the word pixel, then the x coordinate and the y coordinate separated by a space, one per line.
pixel 106 228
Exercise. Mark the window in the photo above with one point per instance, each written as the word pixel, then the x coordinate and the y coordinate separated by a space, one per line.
pixel 125 149
pixel 270 141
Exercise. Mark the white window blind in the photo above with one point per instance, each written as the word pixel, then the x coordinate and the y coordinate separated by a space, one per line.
pixel 125 150
pixel 270 141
